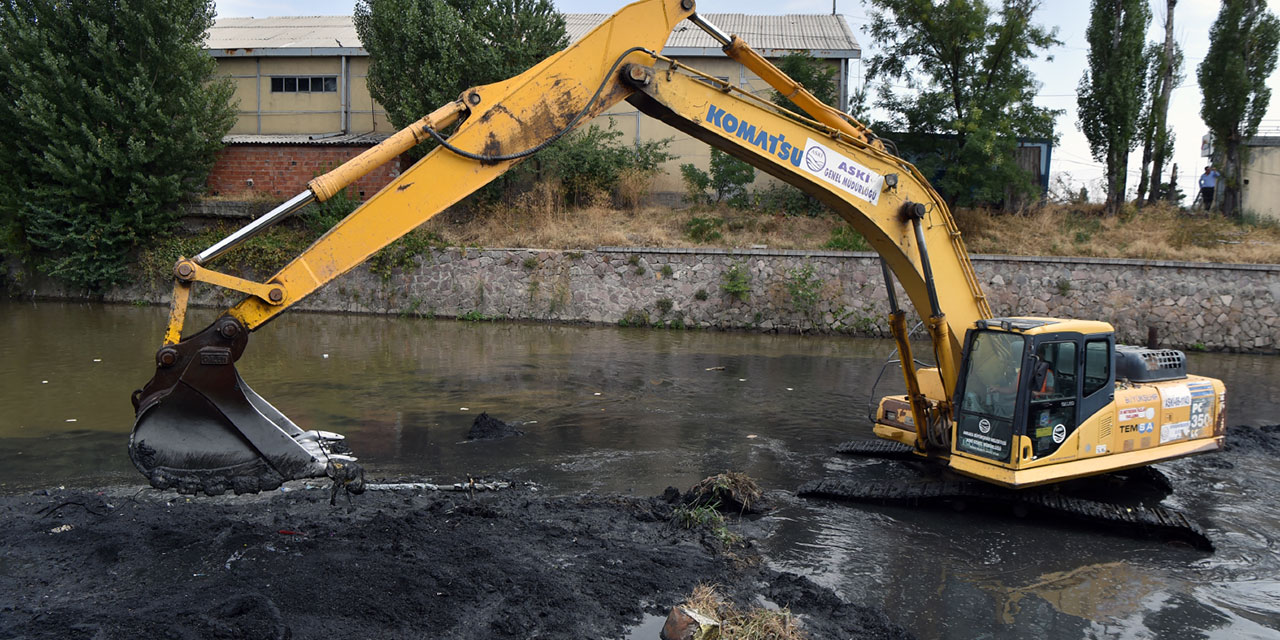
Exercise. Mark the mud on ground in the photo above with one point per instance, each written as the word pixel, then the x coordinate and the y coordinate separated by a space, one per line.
pixel 512 564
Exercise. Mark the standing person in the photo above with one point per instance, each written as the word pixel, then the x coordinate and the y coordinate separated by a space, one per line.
pixel 1208 184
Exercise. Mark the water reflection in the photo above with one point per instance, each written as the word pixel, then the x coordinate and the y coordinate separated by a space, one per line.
pixel 635 410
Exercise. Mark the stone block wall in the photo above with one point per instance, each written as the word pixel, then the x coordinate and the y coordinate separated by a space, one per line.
pixel 1191 305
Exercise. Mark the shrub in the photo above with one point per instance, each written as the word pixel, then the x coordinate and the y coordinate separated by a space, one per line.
pixel 696 183
pixel 788 200
pixel 736 281
pixel 320 217
pixel 730 177
pixel 592 161
pixel 844 238
pixel 805 288
pixel 704 229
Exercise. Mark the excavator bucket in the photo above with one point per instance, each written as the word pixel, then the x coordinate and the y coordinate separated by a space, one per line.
pixel 199 427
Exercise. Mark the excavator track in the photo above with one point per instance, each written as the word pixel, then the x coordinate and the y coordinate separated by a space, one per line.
pixel 878 448
pixel 1135 519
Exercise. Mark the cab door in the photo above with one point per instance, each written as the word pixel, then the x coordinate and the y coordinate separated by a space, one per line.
pixel 1053 393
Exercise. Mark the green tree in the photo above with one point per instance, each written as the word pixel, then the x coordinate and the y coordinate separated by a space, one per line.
pixel 1113 89
pixel 1157 138
pixel 1168 76
pixel 730 177
pixel 1233 78
pixel 425 53
pixel 109 116
pixel 816 76
pixel 973 92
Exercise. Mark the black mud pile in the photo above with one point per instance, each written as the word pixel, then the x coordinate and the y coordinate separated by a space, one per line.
pixel 486 427
pixel 512 564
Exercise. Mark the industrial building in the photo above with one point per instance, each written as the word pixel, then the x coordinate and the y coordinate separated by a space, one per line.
pixel 304 103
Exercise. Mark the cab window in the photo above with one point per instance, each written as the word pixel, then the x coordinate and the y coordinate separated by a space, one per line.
pixel 1097 365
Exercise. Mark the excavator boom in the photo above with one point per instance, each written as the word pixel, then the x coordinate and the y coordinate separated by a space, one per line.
pixel 201 428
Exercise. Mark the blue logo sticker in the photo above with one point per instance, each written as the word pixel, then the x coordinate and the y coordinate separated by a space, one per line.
pixel 815 159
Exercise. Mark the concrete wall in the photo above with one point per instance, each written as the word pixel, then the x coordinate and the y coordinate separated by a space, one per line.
pixel 1262 178
pixel 262 111
pixel 1192 305
pixel 267 113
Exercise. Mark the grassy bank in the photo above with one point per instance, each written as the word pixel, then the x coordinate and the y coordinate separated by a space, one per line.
pixel 1154 233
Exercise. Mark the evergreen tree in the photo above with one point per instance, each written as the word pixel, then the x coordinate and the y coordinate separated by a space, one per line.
pixel 1112 92
pixel 974 92
pixel 425 53
pixel 1233 78
pixel 109 116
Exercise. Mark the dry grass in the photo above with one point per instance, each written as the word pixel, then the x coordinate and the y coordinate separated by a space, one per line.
pixel 755 624
pixel 537 220
pixel 732 489
pixel 1153 233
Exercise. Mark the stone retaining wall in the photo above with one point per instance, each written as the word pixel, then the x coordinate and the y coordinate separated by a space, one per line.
pixel 1191 305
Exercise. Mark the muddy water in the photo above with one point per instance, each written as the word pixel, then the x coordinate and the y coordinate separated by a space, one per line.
pixel 634 411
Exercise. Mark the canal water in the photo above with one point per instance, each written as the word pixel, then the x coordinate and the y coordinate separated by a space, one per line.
pixel 633 411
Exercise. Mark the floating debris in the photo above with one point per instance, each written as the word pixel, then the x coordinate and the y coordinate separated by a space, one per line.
pixel 715 368
pixel 61 529
pixel 486 427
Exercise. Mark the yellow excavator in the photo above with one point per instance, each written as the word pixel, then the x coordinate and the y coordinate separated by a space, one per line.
pixel 1013 402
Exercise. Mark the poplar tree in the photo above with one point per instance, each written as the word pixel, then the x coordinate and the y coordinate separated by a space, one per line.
pixel 1157 138
pixel 1233 79
pixel 1170 75
pixel 972 93
pixel 1112 91
pixel 109 116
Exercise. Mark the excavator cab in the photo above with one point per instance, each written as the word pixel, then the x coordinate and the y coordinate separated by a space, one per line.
pixel 1042 400
pixel 1068 377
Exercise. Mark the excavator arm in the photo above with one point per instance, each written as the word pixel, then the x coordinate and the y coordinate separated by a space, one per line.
pixel 201 428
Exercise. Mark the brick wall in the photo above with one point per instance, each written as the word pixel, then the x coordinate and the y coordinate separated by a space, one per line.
pixel 284 170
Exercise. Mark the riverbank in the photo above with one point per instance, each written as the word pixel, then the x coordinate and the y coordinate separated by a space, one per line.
pixel 1195 306
pixel 123 563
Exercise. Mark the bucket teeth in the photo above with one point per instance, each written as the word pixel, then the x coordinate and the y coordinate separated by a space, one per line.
pixel 201 429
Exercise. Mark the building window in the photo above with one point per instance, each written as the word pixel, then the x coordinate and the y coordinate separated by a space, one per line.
pixel 304 84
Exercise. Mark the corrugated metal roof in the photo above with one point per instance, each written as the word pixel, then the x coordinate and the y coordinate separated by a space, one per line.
pixel 353 139
pixel 824 35
pixel 303 32
pixel 789 32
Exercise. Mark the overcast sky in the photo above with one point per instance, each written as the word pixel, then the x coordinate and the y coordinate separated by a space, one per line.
pixel 1059 77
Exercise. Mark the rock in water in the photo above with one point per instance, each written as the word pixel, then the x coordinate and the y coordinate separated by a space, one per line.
pixel 486 427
